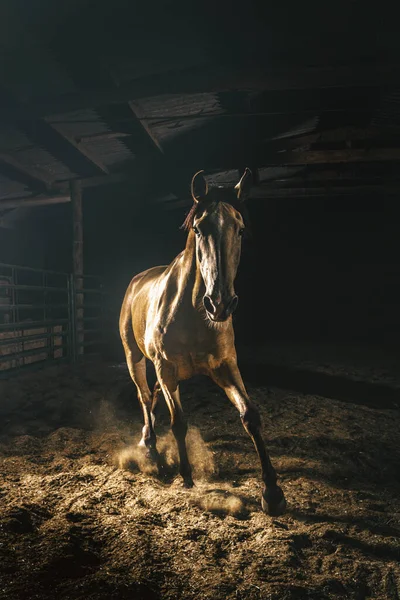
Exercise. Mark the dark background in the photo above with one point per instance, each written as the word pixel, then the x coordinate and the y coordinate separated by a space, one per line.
pixel 323 268
pixel 313 269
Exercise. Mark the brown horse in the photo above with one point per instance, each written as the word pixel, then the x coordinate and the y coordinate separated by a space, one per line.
pixel 179 317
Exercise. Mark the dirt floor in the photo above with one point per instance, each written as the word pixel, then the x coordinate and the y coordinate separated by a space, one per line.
pixel 81 516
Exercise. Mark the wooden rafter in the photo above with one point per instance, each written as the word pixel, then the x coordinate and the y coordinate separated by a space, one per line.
pixel 107 135
pixel 99 180
pixel 340 134
pixel 215 79
pixel 309 192
pixel 31 201
pixel 29 175
pixel 275 192
pixel 137 112
pixel 50 137
pixel 80 148
pixel 318 157
pixel 268 158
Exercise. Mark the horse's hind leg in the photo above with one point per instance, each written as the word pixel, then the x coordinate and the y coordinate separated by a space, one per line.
pixel 170 389
pixel 137 368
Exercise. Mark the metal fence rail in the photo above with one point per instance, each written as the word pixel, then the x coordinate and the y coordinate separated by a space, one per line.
pixel 90 323
pixel 35 321
pixel 39 322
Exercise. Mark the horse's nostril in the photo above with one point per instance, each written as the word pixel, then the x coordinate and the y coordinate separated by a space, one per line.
pixel 208 304
pixel 233 304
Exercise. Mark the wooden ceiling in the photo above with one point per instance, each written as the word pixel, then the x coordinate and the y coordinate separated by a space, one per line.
pixel 113 92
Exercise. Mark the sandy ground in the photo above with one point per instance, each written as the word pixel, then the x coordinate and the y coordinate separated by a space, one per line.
pixel 83 517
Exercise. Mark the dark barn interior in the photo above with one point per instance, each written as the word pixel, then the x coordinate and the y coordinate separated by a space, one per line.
pixel 106 112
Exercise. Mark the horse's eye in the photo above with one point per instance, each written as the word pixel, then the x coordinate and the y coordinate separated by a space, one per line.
pixel 196 230
pixel 241 231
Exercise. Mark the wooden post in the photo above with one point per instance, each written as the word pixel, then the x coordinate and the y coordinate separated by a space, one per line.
pixel 77 266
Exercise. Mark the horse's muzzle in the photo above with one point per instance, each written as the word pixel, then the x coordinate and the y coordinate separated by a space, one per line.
pixel 220 311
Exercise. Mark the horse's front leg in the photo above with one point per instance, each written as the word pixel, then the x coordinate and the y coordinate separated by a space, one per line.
pixel 169 386
pixel 228 377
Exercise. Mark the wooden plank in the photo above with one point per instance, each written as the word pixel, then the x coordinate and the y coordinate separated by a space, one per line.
pixel 340 134
pixel 80 147
pixel 137 112
pixel 272 192
pixel 19 343
pixel 98 180
pixel 44 135
pixel 31 201
pixel 268 158
pixel 328 176
pixel 216 78
pixel 26 174
pixel 200 116
pixel 107 135
pixel 308 192
pixel 317 157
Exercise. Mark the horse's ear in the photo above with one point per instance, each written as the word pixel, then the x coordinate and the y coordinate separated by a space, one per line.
pixel 199 187
pixel 243 187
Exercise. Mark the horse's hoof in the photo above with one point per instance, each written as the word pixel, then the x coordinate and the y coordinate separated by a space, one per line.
pixel 273 502
pixel 188 482
pixel 150 453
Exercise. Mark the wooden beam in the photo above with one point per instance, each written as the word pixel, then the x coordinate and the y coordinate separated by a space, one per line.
pixel 93 160
pixel 333 190
pixel 326 177
pixel 77 262
pixel 31 201
pixel 267 158
pixel 303 192
pixel 44 135
pixel 201 116
pixel 63 190
pixel 99 180
pixel 340 134
pixel 215 78
pixel 284 158
pixel 29 175
pixel 137 112
pixel 317 157
pixel 107 135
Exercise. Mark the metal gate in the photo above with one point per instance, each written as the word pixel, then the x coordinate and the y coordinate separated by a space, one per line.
pixel 40 322
pixel 89 316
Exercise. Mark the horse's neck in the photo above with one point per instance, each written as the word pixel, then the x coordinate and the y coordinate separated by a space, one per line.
pixel 190 286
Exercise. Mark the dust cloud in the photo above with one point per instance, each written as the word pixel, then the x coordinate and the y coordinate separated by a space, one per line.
pixel 200 456
pixel 220 502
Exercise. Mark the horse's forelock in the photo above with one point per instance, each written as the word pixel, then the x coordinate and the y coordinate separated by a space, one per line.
pixel 188 222
pixel 198 207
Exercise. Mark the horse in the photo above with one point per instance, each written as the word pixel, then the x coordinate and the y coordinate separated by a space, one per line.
pixel 180 318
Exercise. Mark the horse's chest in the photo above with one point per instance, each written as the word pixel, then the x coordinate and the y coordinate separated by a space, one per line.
pixel 194 363
pixel 190 353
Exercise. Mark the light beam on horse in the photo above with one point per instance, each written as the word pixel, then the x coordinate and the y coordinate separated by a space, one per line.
pixel 180 317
